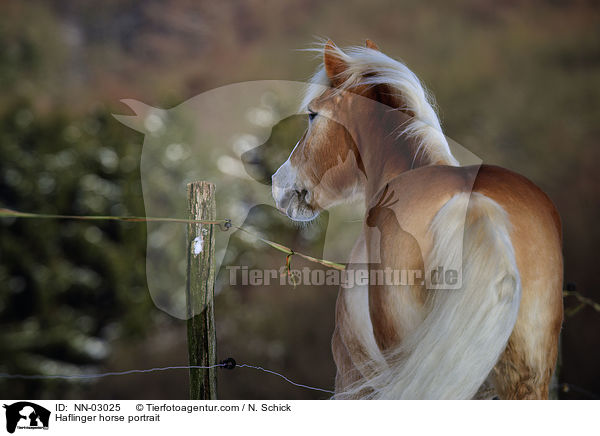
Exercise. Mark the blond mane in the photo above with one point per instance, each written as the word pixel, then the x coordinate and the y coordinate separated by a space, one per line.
pixel 366 66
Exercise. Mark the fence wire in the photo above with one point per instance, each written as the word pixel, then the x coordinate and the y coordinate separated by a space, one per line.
pixel 150 370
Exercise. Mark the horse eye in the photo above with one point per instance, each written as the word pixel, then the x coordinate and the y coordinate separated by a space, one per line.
pixel 311 115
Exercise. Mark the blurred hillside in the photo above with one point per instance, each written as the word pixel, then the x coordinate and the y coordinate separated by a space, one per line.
pixel 517 83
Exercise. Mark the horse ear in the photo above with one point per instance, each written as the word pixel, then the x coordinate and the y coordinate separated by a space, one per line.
pixel 334 64
pixel 370 44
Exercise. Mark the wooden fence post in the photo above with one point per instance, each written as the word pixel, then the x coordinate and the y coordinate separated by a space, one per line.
pixel 202 342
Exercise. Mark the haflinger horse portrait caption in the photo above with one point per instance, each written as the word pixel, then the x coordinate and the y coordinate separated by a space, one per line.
pixel 455 266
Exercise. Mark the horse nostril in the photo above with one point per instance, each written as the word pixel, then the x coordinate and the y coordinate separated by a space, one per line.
pixel 301 194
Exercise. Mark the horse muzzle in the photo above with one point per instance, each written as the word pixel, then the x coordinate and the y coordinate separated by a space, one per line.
pixel 290 198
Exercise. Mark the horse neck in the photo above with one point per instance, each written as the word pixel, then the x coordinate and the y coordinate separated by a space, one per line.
pixel 385 155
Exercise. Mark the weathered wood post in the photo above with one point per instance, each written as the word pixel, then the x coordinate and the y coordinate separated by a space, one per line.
pixel 202 342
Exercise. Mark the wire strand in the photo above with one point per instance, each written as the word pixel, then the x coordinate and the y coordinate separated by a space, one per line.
pixel 103 374
pixel 150 370
pixel 224 224
pixel 244 365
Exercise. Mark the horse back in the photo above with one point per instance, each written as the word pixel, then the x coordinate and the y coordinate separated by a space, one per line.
pixel 514 191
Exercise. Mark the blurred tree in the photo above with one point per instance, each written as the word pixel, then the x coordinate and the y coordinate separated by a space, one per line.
pixel 67 288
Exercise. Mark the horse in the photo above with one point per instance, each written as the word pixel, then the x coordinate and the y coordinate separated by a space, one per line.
pixel 491 329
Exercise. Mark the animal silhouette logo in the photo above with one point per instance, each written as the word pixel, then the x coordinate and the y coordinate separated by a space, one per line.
pixel 26 415
pixel 235 136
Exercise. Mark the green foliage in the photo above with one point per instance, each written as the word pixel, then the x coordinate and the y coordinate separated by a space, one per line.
pixel 67 288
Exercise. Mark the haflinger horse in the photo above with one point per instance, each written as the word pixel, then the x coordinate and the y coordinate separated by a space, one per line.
pixel 492 330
